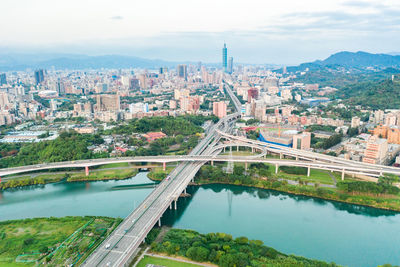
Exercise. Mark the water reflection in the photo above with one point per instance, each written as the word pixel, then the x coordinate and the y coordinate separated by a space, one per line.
pixel 267 193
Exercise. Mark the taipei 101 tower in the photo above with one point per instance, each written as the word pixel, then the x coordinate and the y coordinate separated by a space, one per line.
pixel 224 58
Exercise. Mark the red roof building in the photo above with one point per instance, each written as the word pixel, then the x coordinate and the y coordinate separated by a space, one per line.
pixel 151 136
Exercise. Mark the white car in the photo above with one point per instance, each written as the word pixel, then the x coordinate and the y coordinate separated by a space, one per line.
pixel 108 246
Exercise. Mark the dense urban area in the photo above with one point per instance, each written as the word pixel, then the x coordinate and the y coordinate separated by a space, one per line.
pixel 52 115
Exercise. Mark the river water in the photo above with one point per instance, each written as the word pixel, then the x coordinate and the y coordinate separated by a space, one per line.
pixel 346 234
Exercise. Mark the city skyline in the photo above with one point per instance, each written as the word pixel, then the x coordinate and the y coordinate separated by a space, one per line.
pixel 295 32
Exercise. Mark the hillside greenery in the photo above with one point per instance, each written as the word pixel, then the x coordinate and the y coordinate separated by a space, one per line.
pixel 372 94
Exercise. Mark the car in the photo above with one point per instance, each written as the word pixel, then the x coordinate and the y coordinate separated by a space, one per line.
pixel 167 177
pixel 108 263
pixel 108 246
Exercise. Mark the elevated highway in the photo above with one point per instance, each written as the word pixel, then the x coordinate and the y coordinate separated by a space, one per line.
pixel 374 171
pixel 121 246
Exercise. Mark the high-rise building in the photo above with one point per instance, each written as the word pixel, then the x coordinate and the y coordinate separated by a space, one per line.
pixel 376 150
pixel 230 65
pixel 252 94
pixel 355 122
pixel 302 140
pixel 60 88
pixel 219 109
pixel 108 103
pixel 4 103
pixel 39 76
pixel 134 84
pixel 224 57
pixel 182 71
pixel 3 79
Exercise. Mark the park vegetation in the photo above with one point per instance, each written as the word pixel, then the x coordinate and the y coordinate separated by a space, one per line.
pixel 68 146
pixel 171 126
pixel 52 241
pixel 225 251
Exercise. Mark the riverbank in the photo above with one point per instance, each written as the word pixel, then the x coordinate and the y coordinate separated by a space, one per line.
pixel 223 250
pixel 95 175
pixel 70 240
pixel 266 180
pixel 52 241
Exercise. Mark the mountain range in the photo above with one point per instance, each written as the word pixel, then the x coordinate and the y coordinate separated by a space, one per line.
pixel 349 60
pixel 14 62
pixel 353 60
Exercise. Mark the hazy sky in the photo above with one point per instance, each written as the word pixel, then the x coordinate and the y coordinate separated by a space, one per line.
pixel 256 31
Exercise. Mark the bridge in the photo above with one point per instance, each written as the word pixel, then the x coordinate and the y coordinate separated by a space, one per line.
pixel 374 171
pixel 121 246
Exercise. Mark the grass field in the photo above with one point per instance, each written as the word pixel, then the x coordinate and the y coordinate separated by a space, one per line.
pixel 319 176
pixel 158 173
pixel 103 175
pixel 56 241
pixel 163 262
pixel 113 165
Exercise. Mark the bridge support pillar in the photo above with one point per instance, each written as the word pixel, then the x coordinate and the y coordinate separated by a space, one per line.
pixel 252 150
pixel 308 171
pixel 170 206
pixel 212 163
pixel 276 168
pixel 175 203
pixel 245 166
pixel 87 170
pixel 159 222
pixel 184 191
pixel 342 174
pixel 380 174
pixel 164 166
pixel 297 158
pixel 237 148
pixel 280 155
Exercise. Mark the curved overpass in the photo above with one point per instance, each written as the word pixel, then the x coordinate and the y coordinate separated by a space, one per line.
pixel 310 156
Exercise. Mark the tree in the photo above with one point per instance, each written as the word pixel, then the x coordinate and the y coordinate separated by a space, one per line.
pixel 352 131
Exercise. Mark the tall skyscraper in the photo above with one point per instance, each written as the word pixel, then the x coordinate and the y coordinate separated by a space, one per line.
pixel 3 79
pixel 224 57
pixel 230 65
pixel 182 71
pixel 39 76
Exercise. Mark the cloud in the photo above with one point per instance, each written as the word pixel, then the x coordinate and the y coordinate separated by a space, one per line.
pixel 363 4
pixel 117 18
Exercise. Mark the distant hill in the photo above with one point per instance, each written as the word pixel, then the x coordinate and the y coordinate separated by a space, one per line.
pixel 372 94
pixel 353 60
pixel 13 62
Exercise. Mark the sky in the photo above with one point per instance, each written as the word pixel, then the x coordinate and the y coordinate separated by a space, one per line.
pixel 256 31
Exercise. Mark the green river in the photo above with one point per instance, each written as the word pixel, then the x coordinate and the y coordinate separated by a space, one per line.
pixel 346 234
